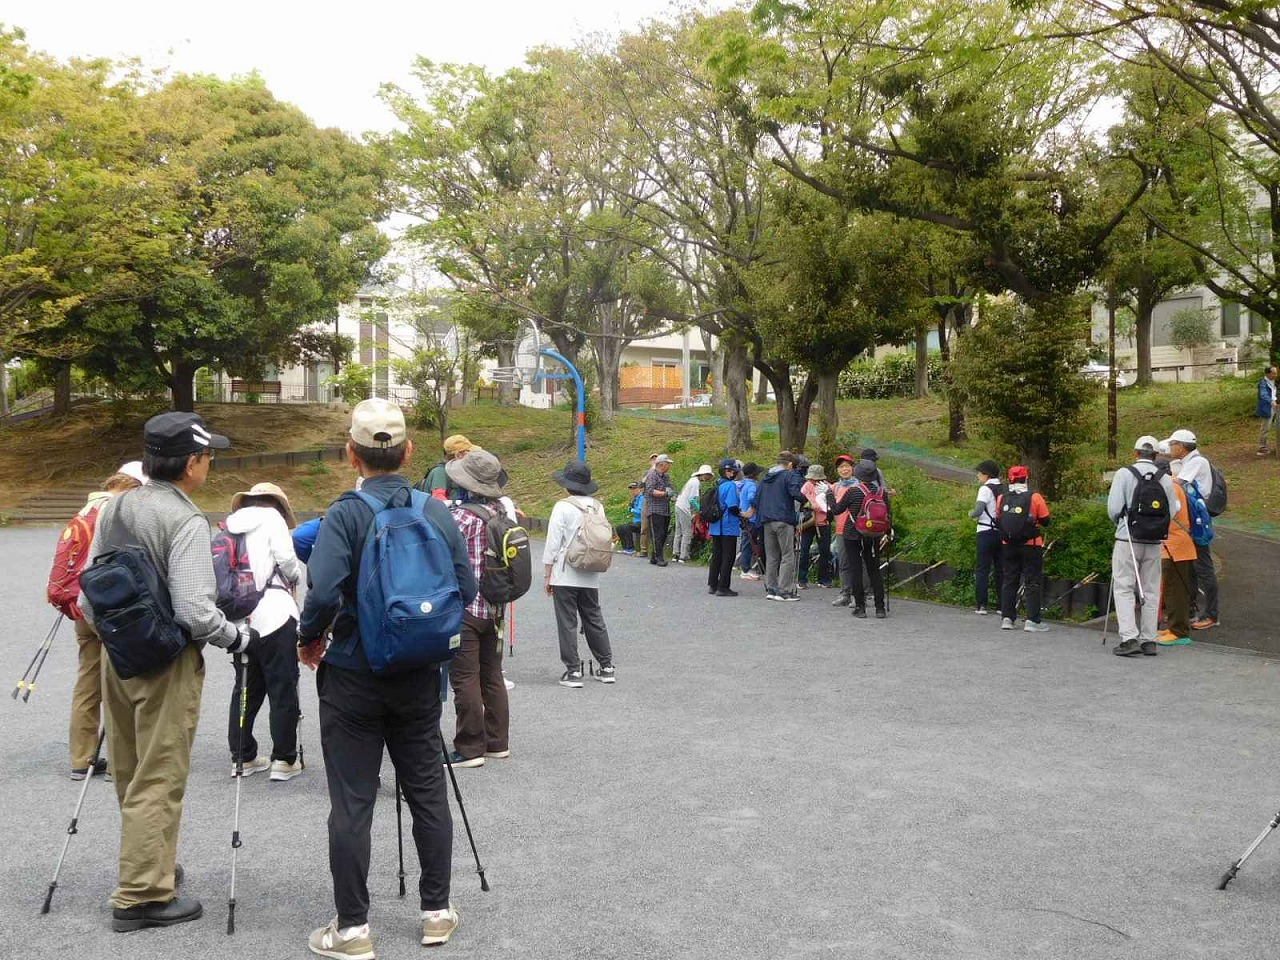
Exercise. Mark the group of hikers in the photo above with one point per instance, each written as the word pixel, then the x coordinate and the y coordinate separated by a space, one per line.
pixel 408 586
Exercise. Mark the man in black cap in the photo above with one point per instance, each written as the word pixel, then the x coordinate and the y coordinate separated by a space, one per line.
pixel 151 719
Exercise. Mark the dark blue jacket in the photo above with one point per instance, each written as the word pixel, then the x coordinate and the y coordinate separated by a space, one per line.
pixel 334 568
pixel 779 493
pixel 1264 398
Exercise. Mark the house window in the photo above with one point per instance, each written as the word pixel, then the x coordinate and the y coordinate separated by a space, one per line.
pixel 1257 324
pixel 1231 319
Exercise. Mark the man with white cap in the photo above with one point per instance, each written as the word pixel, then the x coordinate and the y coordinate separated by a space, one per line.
pixel 686 504
pixel 657 497
pixel 1196 470
pixel 1141 504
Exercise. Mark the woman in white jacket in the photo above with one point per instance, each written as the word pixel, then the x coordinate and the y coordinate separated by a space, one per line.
pixel 263 516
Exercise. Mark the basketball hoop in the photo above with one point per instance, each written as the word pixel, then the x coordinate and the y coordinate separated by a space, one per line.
pixel 528 365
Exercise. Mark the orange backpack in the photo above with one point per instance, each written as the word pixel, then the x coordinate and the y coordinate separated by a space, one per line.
pixel 63 590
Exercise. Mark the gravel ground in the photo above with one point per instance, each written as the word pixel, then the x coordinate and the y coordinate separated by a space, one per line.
pixel 764 780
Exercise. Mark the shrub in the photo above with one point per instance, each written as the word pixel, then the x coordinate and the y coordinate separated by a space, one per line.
pixel 1191 328
pixel 674 447
pixel 893 375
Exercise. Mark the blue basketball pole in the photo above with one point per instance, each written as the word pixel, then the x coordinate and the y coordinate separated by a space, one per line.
pixel 581 416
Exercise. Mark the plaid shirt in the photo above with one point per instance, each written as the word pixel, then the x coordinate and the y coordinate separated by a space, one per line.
pixel 474 536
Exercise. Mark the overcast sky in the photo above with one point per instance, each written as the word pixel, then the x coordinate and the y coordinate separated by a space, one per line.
pixel 327 58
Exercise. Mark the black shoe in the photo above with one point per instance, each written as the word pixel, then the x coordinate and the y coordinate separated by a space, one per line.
pixel 661 563
pixel 1149 648
pixel 726 593
pixel 712 590
pixel 99 768
pixel 1128 648
pixel 860 612
pixel 178 910
pixel 881 613
pixel 654 561
pixel 842 601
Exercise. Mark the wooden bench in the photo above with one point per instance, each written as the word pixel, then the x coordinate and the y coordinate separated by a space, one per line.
pixel 261 388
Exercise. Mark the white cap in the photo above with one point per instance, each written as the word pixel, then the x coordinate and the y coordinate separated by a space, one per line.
pixel 1146 444
pixel 704 469
pixel 378 424
pixel 1182 436
pixel 133 469
pixel 1163 447
pixel 663 458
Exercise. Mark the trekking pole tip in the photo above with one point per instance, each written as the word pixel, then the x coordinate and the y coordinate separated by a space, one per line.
pixel 484 884
pixel 48 897
pixel 231 917
pixel 1226 878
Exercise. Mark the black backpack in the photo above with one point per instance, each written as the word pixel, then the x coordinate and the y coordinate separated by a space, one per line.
pixel 132 611
pixel 1217 499
pixel 1147 515
pixel 1015 521
pixel 709 508
pixel 507 572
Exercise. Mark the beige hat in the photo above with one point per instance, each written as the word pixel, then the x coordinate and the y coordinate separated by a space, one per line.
pixel 704 471
pixel 378 424
pixel 457 444
pixel 478 472
pixel 267 490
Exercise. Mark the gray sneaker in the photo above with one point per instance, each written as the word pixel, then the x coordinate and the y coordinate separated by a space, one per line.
pixel 606 675
pixel 571 678
pixel 793 597
pixel 1006 623
pixel 1035 626
pixel 1128 648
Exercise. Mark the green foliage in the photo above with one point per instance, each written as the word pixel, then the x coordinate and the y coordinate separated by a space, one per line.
pixel 893 375
pixel 674 447
pixel 353 383
pixel 1191 328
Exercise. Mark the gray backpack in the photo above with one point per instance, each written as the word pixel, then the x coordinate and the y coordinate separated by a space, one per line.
pixel 590 549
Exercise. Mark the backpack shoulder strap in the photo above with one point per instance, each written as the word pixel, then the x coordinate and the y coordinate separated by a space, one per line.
pixel 482 511
pixel 372 502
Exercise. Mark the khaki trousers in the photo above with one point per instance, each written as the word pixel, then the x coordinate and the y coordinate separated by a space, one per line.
pixel 86 697
pixel 151 725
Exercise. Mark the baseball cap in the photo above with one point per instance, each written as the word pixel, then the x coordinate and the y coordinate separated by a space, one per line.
pixel 728 463
pixel 179 434
pixel 844 458
pixel 377 424
pixel 663 458
pixel 1146 444
pixel 634 484
pixel 1182 436
pixel 1018 473
pixel 457 444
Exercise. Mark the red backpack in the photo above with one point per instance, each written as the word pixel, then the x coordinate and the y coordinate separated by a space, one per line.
pixel 873 516
pixel 63 590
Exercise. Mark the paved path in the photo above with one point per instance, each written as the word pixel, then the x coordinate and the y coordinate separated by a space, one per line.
pixel 765 780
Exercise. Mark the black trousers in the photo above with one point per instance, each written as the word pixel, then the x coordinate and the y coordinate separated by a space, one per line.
pixel 724 551
pixel 571 603
pixel 823 535
pixel 271 672
pixel 989 558
pixel 360 714
pixel 659 527
pixel 627 533
pixel 1022 564
pixel 864 554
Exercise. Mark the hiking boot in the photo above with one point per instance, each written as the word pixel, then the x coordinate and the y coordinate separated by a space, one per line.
pixel 606 675
pixel 178 910
pixel 881 613
pixel 282 770
pixel 99 769
pixel 1204 623
pixel 726 593
pixel 1035 626
pixel 1149 648
pixel 498 754
pixel 860 612
pixel 438 926
pixel 256 765
pixel 1128 648
pixel 1006 623
pixel 352 943
pixel 458 760
pixel 571 678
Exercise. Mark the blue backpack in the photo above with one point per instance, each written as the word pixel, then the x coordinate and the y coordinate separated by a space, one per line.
pixel 408 604
pixel 1201 520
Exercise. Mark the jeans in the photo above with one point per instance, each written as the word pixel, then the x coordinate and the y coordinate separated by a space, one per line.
pixel 571 603
pixel 823 535
pixel 723 550
pixel 659 524
pixel 1022 564
pixel 989 558
pixel 780 557
pixel 271 671
pixel 749 554
pixel 683 542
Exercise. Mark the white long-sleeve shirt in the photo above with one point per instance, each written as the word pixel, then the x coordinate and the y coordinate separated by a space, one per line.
pixel 691 488
pixel 1195 469
pixel 272 559
pixel 561 527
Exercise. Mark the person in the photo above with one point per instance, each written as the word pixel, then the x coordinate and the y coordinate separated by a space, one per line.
pixel 575 593
pixel 780 491
pixel 361 713
pixel 862 547
pixel 1021 515
pixel 151 718
pixel 436 481
pixel 724 532
pixel 304 537
pixel 815 489
pixel 839 520
pixel 657 496
pixel 1197 471
pixel 686 506
pixel 1268 411
pixel 869 454
pixel 627 532
pixel 1177 563
pixel 1136 553
pixel 984 511
pixel 475 672
pixel 86 695
pixel 644 513
pixel 263 516
pixel 749 549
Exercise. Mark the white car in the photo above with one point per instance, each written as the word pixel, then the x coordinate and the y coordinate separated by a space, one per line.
pixel 698 400
pixel 1099 372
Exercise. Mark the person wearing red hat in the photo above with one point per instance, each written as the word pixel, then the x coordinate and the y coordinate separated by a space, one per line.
pixel 1021 515
pixel 844 471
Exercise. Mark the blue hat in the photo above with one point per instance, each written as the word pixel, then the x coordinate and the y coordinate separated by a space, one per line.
pixel 728 463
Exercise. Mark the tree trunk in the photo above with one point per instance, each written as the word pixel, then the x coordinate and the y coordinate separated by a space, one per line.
pixel 507 358
pixel 793 411
pixel 922 361
pixel 737 367
pixel 1035 457
pixel 762 391
pixel 957 430
pixel 715 360
pixel 828 415
pixel 182 385
pixel 62 388
pixel 4 384
pixel 609 356
pixel 1142 331
pixel 1113 422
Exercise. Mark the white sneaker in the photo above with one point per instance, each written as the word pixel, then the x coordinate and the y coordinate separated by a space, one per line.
pixel 282 770
pixel 981 611
pixel 256 765
pixel 509 684
pixel 1034 626
pixel 1006 623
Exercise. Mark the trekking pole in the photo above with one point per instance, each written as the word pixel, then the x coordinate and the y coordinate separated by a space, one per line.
pixel 27 682
pixel 1137 577
pixel 484 884
pixel 1235 867
pixel 1091 578
pixel 75 821
pixel 235 826
pixel 1106 616
pixel 511 629
pixel 916 576
pixel 302 756
pixel 400 832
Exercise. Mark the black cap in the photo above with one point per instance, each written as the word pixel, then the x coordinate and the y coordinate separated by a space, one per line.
pixel 180 434
pixel 870 454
